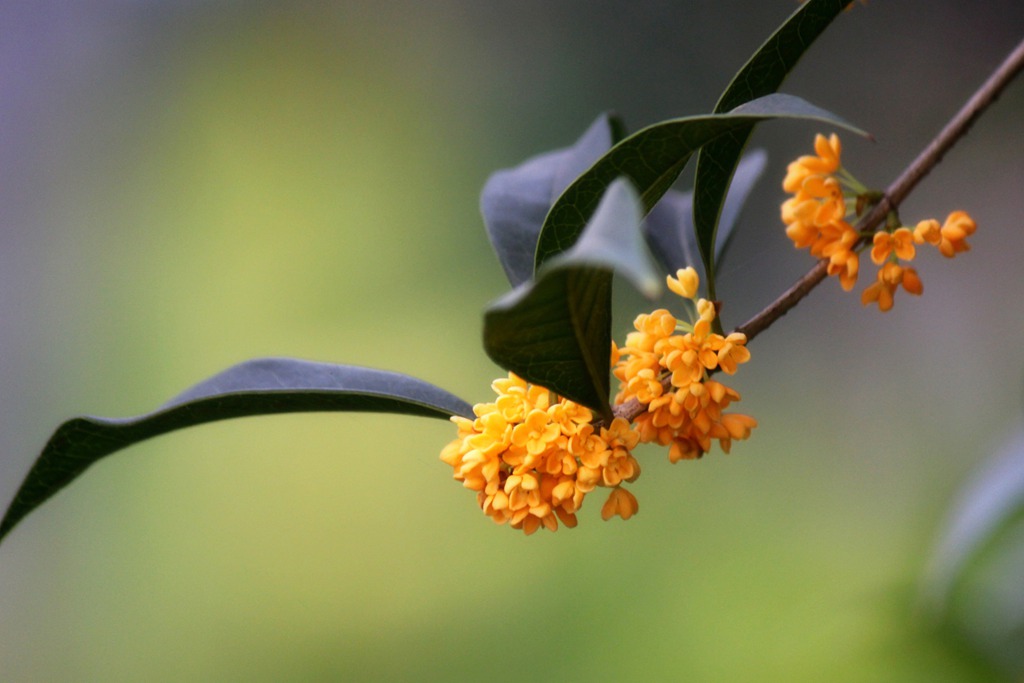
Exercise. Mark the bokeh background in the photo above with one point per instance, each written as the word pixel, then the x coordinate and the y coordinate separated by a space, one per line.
pixel 184 185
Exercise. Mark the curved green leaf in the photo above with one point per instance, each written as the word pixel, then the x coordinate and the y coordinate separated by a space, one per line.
pixel 974 583
pixel 993 496
pixel 555 331
pixel 652 159
pixel 515 201
pixel 261 386
pixel 761 75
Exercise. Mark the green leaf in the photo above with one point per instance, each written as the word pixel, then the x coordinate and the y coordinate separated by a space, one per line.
pixel 993 496
pixel 514 201
pixel 652 159
pixel 555 331
pixel 761 75
pixel 974 579
pixel 262 386
pixel 669 225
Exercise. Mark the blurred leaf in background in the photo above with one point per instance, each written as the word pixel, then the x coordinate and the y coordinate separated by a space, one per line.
pixel 974 583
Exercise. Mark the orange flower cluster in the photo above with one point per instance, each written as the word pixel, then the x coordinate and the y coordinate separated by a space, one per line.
pixel 815 214
pixel 825 195
pixel 532 457
pixel 688 414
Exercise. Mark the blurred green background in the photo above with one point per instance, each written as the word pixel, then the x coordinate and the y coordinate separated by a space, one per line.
pixel 186 185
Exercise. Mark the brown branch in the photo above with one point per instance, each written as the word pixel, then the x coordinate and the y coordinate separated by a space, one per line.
pixel 929 157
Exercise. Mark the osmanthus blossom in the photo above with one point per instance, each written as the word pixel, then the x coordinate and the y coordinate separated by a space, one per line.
pixel 954 233
pixel 827 200
pixel 532 457
pixel 685 411
pixel 890 277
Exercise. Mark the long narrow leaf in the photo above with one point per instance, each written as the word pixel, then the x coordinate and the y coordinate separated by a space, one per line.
pixel 993 497
pixel 762 75
pixel 257 387
pixel 652 159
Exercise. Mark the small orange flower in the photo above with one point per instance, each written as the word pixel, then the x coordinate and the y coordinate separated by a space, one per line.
pixel 589 448
pixel 685 282
pixel 803 232
pixel 683 448
pixel 828 151
pixel 882 290
pixel 737 427
pixel 899 242
pixel 845 265
pixel 831 204
pixel 707 313
pixel 834 236
pixel 680 355
pixel 890 277
pixel 928 231
pixel 645 385
pixel 911 282
pixel 733 352
pixel 620 502
pixel 955 231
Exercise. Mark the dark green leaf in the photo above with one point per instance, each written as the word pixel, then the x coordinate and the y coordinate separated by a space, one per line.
pixel 555 331
pixel 669 225
pixel 668 229
pixel 652 159
pixel 256 387
pixel 994 496
pixel 514 201
pixel 761 75
pixel 975 581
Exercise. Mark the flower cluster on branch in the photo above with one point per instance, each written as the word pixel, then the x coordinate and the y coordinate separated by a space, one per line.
pixel 532 456
pixel 826 197
pixel 687 415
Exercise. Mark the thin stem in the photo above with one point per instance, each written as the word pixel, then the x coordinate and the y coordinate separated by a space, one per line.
pixel 929 157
